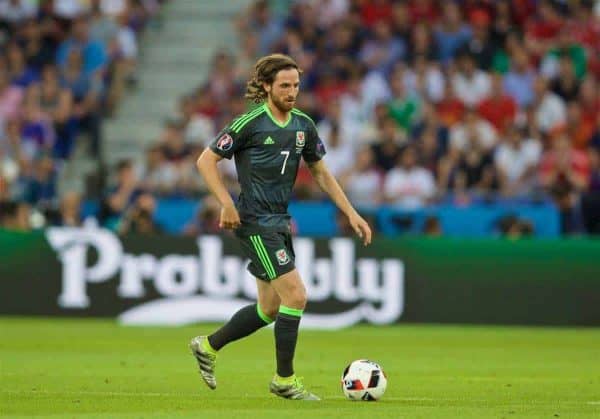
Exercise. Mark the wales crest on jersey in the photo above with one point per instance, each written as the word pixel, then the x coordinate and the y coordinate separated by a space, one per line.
pixel 300 139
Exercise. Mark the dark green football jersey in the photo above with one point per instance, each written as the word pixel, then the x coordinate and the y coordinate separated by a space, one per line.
pixel 267 156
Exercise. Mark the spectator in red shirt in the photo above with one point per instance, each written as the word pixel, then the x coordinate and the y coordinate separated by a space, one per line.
pixel 450 109
pixel 374 11
pixel 498 108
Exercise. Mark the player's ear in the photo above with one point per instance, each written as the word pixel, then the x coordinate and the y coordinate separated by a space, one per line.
pixel 267 87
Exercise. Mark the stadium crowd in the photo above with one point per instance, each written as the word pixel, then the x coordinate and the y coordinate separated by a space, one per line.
pixel 417 101
pixel 64 66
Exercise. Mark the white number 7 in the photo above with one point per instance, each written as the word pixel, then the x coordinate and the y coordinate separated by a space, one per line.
pixel 287 154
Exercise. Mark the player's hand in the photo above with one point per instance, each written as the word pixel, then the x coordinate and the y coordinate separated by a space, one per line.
pixel 230 218
pixel 361 228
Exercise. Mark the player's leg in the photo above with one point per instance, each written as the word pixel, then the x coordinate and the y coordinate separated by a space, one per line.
pixel 292 292
pixel 244 322
pixel 249 318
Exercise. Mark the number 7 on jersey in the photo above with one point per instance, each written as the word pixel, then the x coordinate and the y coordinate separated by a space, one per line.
pixel 287 154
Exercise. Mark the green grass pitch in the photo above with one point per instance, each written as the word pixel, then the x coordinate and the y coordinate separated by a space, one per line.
pixel 97 369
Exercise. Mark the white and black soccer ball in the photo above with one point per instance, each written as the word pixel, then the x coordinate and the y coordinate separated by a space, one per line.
pixel 364 380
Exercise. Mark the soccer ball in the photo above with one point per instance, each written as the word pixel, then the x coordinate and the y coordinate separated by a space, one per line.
pixel 363 380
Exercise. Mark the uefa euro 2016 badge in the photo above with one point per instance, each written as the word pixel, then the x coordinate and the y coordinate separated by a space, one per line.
pixel 282 257
pixel 224 142
pixel 299 139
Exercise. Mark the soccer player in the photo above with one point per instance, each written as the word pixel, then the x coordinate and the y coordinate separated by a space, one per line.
pixel 268 143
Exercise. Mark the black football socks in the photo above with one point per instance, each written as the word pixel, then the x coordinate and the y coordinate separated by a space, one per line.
pixel 243 323
pixel 286 336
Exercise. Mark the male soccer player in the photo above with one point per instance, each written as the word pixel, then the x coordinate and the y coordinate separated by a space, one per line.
pixel 268 143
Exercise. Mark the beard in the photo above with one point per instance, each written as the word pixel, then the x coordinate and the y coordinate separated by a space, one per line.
pixel 282 105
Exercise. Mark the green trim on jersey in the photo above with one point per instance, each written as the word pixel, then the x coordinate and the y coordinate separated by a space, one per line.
pixel 300 113
pixel 244 119
pixel 276 122
pixel 263 256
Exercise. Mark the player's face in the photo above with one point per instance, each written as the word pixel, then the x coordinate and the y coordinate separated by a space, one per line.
pixel 284 90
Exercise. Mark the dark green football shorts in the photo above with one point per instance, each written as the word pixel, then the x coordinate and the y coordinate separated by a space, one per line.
pixel 271 254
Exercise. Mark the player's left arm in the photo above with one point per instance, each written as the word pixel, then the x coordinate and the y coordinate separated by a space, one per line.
pixel 329 185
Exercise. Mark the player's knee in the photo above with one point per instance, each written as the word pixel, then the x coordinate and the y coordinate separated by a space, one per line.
pixel 270 310
pixel 298 299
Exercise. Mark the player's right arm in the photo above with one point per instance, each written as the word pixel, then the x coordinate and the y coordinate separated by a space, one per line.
pixel 207 166
pixel 223 146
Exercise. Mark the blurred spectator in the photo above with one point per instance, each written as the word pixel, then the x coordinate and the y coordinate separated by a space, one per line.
pixel 498 108
pixel 424 79
pixel 550 110
pixel 516 160
pixel 387 149
pixel 432 227
pixel 404 107
pixel 578 128
pixel 139 218
pixel 480 46
pixel 590 201
pixel 70 210
pixel 86 90
pixel 475 170
pixel 519 81
pixel 473 131
pixel 11 97
pixel 409 186
pixel 513 227
pixel 363 182
pixel 565 84
pixel 470 84
pixel 20 73
pixel 565 51
pixel 340 154
pixel 206 220
pixel 121 197
pixel 452 32
pixel 382 49
pixel 422 42
pixel 16 11
pixel 93 53
pixel 565 171
pixel 15 215
pixel 450 109
pixel 56 105
pixel 40 188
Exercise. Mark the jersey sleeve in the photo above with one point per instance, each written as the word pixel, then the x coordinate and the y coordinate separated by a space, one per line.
pixel 227 142
pixel 314 150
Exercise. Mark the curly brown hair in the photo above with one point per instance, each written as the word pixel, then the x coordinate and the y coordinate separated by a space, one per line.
pixel 265 70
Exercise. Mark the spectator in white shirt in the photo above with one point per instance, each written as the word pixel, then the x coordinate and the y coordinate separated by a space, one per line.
pixel 516 160
pixel 340 154
pixel 473 128
pixel 409 186
pixel 362 183
pixel 471 85
pixel 550 109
